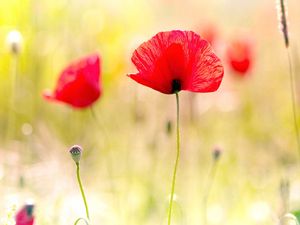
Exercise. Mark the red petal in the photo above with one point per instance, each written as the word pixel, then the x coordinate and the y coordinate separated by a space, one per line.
pixel 142 80
pixel 205 71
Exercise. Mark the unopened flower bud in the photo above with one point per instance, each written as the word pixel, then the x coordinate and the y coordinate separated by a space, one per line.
pixel 76 151
pixel 217 153
pixel 14 41
pixel 29 209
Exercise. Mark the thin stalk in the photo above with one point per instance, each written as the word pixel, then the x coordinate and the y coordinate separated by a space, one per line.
pixel 109 158
pixel 109 161
pixel 284 194
pixel 82 192
pixel 176 163
pixel 211 178
pixel 95 117
pixel 12 119
pixel 293 98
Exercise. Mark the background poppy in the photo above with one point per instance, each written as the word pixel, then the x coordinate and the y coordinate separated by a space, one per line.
pixel 79 84
pixel 239 55
pixel 25 215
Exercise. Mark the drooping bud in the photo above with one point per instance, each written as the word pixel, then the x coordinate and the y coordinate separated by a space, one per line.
pixel 217 153
pixel 14 41
pixel 76 151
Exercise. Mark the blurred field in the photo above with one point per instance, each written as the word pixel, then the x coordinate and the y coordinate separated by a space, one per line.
pixel 128 161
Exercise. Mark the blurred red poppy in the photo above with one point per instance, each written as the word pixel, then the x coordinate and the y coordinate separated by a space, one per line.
pixel 25 215
pixel 240 56
pixel 177 60
pixel 79 84
pixel 209 32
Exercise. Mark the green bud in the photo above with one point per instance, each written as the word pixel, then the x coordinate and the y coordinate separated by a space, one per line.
pixel 76 151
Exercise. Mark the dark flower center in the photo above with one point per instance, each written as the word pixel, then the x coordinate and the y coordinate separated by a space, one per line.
pixel 176 86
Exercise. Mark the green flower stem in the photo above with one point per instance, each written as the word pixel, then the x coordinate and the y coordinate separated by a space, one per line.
pixel 176 163
pixel 82 192
pixel 77 221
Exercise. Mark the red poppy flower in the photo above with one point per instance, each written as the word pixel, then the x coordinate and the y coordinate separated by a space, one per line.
pixel 239 55
pixel 25 215
pixel 177 60
pixel 78 84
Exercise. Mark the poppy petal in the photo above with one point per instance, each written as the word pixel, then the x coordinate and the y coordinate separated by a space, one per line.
pixel 207 70
pixel 141 80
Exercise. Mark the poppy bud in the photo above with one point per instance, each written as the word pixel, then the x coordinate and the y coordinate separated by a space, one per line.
pixel 76 151
pixel 14 42
pixel 217 153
